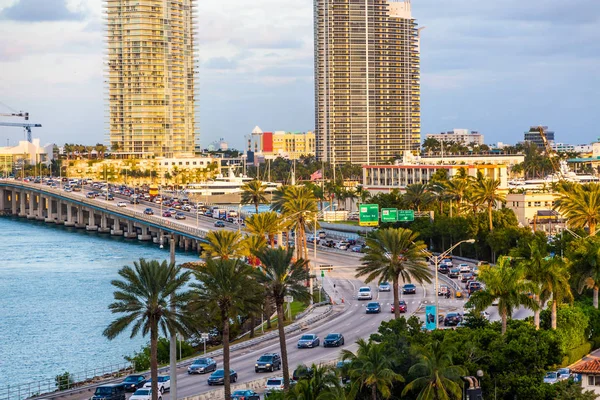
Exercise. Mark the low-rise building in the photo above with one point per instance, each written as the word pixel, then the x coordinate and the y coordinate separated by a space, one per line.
pixel 535 210
pixel 590 374
pixel 461 136
pixel 25 152
pixel 291 145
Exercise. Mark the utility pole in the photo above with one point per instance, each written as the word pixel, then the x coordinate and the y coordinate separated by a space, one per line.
pixel 173 344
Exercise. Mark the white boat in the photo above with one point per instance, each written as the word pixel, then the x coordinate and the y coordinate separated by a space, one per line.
pixel 223 185
pixel 544 183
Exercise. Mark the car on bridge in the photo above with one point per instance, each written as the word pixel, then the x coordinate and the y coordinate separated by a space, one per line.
pixel 308 341
pixel 409 288
pixel 163 382
pixel 402 306
pixel 133 382
pixel 167 214
pixel 121 204
pixel 219 224
pixel 202 366
pixel 333 340
pixel 115 391
pixel 218 377
pixel 245 395
pixel 143 394
pixel 373 308
pixel 148 211
pixel 180 215
pixel 268 362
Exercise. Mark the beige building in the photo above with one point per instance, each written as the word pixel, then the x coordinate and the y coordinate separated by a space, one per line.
pixel 367 80
pixel 461 136
pixel 291 145
pixel 589 368
pixel 151 77
pixel 534 210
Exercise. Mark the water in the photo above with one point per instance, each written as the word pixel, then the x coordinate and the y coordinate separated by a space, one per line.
pixel 54 295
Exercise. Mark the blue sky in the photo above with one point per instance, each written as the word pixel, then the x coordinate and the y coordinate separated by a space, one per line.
pixel 492 66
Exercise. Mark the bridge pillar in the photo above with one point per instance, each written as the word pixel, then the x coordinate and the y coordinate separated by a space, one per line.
pixel 40 207
pixel 131 231
pixel 145 233
pixel 22 210
pixel 186 244
pixel 2 196
pixel 60 218
pixel 13 202
pixel 51 215
pixel 31 213
pixel 91 221
pixel 69 221
pixel 104 224
pixel 80 220
pixel 116 229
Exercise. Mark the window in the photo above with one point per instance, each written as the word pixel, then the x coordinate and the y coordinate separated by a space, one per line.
pixel 593 380
pixel 528 204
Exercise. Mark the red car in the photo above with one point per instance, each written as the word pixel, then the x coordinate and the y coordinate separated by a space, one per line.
pixel 401 306
pixel 167 214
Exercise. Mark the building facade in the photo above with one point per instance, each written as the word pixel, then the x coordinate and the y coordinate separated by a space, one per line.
pixel 461 136
pixel 533 136
pixel 367 80
pixel 151 75
pixel 291 145
pixel 535 210
pixel 28 153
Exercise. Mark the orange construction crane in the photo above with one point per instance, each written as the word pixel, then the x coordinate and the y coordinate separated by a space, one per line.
pixel 550 153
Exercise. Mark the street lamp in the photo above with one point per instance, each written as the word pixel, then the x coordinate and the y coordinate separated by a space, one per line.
pixel 436 260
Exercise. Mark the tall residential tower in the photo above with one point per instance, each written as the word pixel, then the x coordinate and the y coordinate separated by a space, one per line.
pixel 367 80
pixel 151 77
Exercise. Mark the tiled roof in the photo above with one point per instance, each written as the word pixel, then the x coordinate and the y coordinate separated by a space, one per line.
pixel 587 367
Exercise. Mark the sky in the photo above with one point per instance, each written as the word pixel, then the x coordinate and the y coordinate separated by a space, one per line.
pixel 496 67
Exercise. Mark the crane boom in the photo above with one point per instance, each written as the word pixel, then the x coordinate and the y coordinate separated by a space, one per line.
pixel 550 153
pixel 24 125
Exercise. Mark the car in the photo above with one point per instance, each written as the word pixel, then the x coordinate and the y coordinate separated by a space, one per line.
pixel 186 207
pixel 464 268
pixel 110 197
pixel 302 372
pixel 447 262
pixel 466 276
pixel 308 340
pixel 167 214
pixel 180 215
pixel 268 362
pixel 563 374
pixel 133 382
pixel 473 286
pixel 202 366
pixel 385 287
pixel 373 308
pixel 452 319
pixel 115 391
pixel 453 273
pixel 475 271
pixel 143 394
pixel 274 384
pixel 322 234
pixel 443 269
pixel 218 377
pixel 551 377
pixel 134 200
pixel 90 195
pixel 163 382
pixel 409 288
pixel 482 263
pixel 356 249
pixel 402 307
pixel 364 293
pixel 121 204
pixel 219 224
pixel 148 211
pixel 342 245
pixel 245 395
pixel 485 315
pixel 342 367
pixel 333 340
pixel 443 290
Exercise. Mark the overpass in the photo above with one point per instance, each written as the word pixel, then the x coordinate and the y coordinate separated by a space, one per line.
pixel 54 206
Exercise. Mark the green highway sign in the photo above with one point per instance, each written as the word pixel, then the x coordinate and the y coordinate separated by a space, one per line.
pixel 368 215
pixel 406 215
pixel 389 214
pixel 322 274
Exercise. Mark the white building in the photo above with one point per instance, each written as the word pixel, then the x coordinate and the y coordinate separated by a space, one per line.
pixel 31 152
pixel 590 374
pixel 462 136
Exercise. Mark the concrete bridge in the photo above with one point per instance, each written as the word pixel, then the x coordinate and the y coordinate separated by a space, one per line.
pixel 54 206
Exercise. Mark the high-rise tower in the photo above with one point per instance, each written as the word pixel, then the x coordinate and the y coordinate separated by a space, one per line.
pixel 151 77
pixel 367 80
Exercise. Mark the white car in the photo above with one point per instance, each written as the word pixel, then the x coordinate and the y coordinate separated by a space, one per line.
pixel 163 381
pixel 121 204
pixel 274 384
pixel 364 293
pixel 485 315
pixel 342 245
pixel 143 394
pixel 464 268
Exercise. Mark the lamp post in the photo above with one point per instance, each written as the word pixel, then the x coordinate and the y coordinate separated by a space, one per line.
pixel 436 260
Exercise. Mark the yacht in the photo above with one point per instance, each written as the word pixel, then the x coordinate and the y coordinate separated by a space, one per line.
pixel 224 185
pixel 564 174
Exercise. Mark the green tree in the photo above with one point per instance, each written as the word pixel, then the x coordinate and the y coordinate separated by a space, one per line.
pixel 437 378
pixel 226 287
pixel 392 254
pixel 372 368
pixel 265 224
pixel 282 277
pixel 223 244
pixel 508 285
pixel 417 196
pixel 486 192
pixel 152 297
pixel 580 204
pixel 254 192
pixel 585 256
pixel 322 384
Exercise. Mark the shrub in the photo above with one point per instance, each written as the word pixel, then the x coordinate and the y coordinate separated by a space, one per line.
pixel 64 381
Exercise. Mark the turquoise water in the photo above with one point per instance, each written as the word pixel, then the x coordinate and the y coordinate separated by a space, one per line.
pixel 54 293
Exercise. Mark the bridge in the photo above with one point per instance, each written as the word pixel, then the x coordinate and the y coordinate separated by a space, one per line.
pixel 54 206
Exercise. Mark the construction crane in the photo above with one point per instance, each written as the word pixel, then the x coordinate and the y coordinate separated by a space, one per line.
pixel 25 125
pixel 550 153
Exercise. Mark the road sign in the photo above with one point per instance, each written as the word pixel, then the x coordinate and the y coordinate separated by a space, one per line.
pixel 368 215
pixel 325 267
pixel 430 316
pixel 322 274
pixel 406 215
pixel 204 336
pixel 288 299
pixel 389 214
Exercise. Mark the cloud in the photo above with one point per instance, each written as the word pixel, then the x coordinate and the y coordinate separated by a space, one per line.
pixel 40 11
pixel 220 63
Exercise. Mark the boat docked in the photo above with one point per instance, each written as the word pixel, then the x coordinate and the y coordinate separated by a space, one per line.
pixel 225 185
pixel 544 183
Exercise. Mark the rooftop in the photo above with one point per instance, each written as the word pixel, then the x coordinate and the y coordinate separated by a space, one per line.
pixel 587 367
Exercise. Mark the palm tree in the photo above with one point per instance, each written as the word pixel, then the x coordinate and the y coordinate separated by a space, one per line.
pixel 457 190
pixel 580 204
pixel 437 377
pixel 264 224
pixel 417 196
pixel 486 192
pixel 508 285
pixel 371 367
pixel 298 206
pixel 392 254
pixel 225 287
pixel 253 192
pixel 282 277
pixel 150 296
pixel 585 257
pixel 323 384
pixel 223 244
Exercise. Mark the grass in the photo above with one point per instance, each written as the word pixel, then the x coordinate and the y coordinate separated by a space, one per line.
pixel 297 307
pixel 352 223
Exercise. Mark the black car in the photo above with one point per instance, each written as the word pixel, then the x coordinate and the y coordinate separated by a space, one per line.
pixel 302 372
pixel 115 391
pixel 333 340
pixel 454 272
pixel 452 319
pixel 268 362
pixel 245 395
pixel 133 382
pixel 373 308
pixel 202 366
pixel 148 211
pixel 218 377
pixel 409 288
pixel 219 224
pixel 443 269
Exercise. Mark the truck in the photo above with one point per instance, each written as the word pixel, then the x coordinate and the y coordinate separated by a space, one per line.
pixel 220 213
